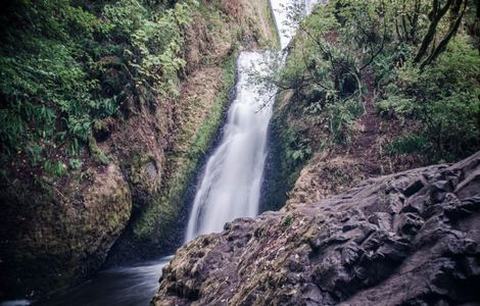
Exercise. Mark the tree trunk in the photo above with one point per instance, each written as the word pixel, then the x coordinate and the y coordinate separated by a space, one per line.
pixel 455 24
pixel 414 21
pixel 436 15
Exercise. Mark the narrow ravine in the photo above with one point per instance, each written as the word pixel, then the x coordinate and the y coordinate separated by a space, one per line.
pixel 239 152
pixel 231 182
pixel 229 187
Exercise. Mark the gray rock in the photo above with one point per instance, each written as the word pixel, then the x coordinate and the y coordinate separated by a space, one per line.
pixel 411 238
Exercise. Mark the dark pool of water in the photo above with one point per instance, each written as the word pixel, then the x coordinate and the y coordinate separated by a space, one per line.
pixel 122 286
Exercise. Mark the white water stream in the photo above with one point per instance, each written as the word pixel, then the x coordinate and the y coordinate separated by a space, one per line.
pixel 232 179
pixel 231 182
pixel 230 186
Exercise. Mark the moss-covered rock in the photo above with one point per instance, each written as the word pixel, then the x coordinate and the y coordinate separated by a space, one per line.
pixel 409 238
pixel 56 231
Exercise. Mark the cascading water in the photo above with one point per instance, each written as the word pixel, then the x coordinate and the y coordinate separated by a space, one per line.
pixel 230 185
pixel 285 26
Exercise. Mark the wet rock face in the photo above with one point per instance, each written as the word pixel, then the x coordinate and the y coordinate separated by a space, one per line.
pixel 47 239
pixel 411 238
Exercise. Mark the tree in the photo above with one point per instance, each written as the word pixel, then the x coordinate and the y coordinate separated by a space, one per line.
pixel 457 9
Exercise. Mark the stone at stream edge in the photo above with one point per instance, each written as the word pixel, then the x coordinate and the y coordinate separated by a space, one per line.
pixel 411 238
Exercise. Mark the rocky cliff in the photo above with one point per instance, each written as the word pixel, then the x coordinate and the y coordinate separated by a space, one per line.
pixel 410 238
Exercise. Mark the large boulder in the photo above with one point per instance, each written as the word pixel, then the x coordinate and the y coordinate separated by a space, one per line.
pixel 54 233
pixel 411 238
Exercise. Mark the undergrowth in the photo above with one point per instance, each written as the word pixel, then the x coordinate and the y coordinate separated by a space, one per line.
pixel 91 60
pixel 396 73
pixel 348 49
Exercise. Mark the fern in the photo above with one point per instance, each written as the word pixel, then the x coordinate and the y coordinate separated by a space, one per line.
pixel 53 79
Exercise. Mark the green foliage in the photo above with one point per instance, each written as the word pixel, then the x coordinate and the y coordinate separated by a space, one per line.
pixel 125 16
pixel 323 67
pixel 287 221
pixel 396 105
pixel 408 144
pixel 347 41
pixel 75 163
pixel 53 62
pixel 156 40
pixel 342 116
pixel 298 149
pixel 54 168
pixel 348 47
pixel 386 63
pixel 444 99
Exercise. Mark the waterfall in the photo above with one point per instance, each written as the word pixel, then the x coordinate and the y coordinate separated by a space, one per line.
pixel 230 185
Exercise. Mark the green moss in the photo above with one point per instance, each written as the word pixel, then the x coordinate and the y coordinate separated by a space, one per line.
pixel 283 171
pixel 136 165
pixel 159 219
pixel 97 153
pixel 268 12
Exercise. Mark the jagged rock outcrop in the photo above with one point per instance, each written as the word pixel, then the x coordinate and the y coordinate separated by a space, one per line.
pixel 411 238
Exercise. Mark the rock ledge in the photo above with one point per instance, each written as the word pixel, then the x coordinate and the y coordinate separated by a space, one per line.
pixel 411 238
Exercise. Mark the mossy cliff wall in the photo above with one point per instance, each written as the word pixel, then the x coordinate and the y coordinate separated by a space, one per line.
pixel 214 40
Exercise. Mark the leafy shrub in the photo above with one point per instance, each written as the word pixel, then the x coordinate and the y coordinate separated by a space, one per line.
pixel 53 59
pixel 452 125
pixel 341 117
pixel 408 144
pixel 155 41
pixel 299 149
pixel 394 105
pixel 300 152
pixel 54 168
pixel 444 98
pixel 75 163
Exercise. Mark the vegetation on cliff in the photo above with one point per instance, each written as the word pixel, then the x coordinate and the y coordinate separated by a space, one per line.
pixel 58 86
pixel 218 31
pixel 372 87
pixel 107 108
